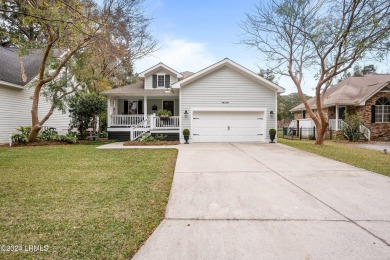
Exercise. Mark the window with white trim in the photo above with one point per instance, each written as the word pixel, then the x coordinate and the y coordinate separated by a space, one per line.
pixel 160 81
pixel 382 110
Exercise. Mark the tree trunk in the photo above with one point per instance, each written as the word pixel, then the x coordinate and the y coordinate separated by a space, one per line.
pixel 34 133
pixel 320 132
pixel 35 124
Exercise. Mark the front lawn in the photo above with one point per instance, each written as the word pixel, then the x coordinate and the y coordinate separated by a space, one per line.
pixel 366 159
pixel 81 202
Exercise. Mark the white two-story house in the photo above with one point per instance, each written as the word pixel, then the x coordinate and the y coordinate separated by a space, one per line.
pixel 224 102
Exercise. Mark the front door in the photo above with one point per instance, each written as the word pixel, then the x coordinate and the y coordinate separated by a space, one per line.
pixel 342 112
pixel 170 106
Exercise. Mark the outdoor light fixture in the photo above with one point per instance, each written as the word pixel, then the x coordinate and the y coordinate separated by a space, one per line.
pixel 272 112
pixel 186 112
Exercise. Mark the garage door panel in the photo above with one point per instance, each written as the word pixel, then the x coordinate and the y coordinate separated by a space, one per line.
pixel 228 115
pixel 223 126
pixel 220 123
pixel 223 130
pixel 219 138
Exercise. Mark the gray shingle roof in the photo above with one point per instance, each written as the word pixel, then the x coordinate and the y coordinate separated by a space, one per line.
pixel 186 74
pixel 10 67
pixel 137 89
pixel 352 91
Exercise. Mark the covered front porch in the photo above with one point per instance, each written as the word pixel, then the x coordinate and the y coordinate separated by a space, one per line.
pixel 130 117
pixel 125 111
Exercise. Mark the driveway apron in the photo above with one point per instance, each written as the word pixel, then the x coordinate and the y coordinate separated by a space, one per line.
pixel 270 201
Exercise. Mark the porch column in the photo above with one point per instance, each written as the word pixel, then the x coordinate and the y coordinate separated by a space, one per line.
pixel 337 117
pixel 145 107
pixel 109 111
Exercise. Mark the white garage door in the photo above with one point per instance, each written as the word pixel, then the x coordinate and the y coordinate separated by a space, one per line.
pixel 228 126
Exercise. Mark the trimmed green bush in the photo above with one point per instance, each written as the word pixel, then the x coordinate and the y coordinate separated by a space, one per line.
pixel 22 136
pixel 48 135
pixel 272 131
pixel 186 132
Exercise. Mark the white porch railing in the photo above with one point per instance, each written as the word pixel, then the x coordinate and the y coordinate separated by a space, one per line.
pixel 169 123
pixel 365 131
pixel 139 129
pixel 336 124
pixel 153 123
pixel 126 120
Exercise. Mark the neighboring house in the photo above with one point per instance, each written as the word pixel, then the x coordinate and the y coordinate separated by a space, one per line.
pixel 16 97
pixel 369 96
pixel 224 102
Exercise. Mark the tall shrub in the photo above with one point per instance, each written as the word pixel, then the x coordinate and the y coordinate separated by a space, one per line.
pixel 85 109
pixel 352 128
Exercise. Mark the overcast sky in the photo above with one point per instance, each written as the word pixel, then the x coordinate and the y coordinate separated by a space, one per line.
pixel 195 34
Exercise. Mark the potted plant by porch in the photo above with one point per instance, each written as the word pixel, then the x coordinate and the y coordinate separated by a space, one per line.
pixel 272 134
pixel 186 134
pixel 164 114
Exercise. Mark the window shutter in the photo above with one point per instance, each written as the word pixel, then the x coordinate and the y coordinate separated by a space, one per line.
pixel 126 107
pixel 372 114
pixel 154 81
pixel 167 81
pixel 140 107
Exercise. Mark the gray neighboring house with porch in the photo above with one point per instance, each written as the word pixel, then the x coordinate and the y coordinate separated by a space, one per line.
pixel 224 102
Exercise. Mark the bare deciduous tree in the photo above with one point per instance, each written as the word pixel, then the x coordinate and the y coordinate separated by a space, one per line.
pixel 325 36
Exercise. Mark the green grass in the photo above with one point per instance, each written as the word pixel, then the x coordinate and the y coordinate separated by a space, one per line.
pixel 80 201
pixel 366 159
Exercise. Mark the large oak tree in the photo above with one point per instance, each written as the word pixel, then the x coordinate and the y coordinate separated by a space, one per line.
pixel 327 37
pixel 105 37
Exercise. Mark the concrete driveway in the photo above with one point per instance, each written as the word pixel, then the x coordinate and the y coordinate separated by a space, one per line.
pixel 375 146
pixel 270 201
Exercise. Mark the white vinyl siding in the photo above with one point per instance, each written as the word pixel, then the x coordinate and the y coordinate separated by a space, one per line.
pixel 15 111
pixel 149 79
pixel 227 88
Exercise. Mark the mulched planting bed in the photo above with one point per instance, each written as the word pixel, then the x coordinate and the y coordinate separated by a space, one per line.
pixel 43 143
pixel 138 143
pixel 100 141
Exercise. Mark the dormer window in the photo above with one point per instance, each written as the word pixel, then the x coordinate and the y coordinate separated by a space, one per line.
pixel 161 81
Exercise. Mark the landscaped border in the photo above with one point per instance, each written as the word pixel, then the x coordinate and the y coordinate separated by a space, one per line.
pixel 151 143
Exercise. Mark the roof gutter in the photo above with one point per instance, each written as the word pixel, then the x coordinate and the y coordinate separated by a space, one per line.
pixel 8 84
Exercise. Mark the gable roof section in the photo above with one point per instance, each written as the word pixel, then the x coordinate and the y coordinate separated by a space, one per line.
pixel 233 65
pixel 158 67
pixel 10 68
pixel 354 91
